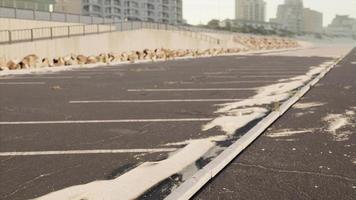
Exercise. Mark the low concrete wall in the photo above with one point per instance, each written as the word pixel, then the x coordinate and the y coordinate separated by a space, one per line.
pixel 108 42
pixel 13 24
pixel 226 40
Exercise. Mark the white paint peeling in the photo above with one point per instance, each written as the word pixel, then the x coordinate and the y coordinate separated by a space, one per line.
pixel 186 142
pixel 337 123
pixel 308 105
pixel 348 87
pixel 287 133
pixel 229 124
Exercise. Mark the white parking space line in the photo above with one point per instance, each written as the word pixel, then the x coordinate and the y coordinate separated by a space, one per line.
pixel 268 70
pixel 190 89
pixel 268 76
pixel 78 152
pixel 46 77
pixel 106 121
pixel 90 73
pixel 225 82
pixel 154 101
pixel 232 76
pixel 272 73
pixel 22 83
pixel 232 82
pixel 215 73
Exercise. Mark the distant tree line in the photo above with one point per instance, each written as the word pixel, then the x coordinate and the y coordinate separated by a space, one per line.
pixel 260 30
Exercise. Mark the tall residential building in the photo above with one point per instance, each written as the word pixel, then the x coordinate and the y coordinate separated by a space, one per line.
pixel 40 5
pixel 342 25
pixel 164 11
pixel 251 10
pixel 290 15
pixel 68 6
pixel 312 21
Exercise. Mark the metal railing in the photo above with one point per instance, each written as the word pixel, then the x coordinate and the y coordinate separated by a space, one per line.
pixel 16 13
pixel 26 35
pixel 27 14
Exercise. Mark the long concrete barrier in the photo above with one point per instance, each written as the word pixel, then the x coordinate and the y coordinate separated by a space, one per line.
pixel 107 42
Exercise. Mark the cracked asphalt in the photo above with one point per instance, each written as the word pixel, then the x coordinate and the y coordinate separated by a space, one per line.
pixel 301 156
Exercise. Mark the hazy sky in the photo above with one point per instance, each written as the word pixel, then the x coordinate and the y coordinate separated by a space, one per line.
pixel 201 11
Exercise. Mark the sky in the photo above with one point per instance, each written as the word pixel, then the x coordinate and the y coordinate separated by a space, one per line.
pixel 201 11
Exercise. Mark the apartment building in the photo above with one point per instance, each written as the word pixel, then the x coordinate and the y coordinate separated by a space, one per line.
pixel 68 6
pixel 164 11
pixel 250 10
pixel 342 25
pixel 39 5
pixel 295 18
pixel 290 15
pixel 312 21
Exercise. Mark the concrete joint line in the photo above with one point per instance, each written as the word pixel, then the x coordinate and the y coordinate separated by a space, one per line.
pixel 192 185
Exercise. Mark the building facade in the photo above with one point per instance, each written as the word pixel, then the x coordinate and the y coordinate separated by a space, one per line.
pixel 251 10
pixel 312 21
pixel 163 11
pixel 342 25
pixel 295 18
pixel 68 6
pixel 39 5
pixel 290 15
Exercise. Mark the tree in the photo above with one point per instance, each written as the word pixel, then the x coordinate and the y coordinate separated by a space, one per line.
pixel 214 23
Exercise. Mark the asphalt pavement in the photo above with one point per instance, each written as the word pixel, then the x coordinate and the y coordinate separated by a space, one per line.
pixel 49 122
pixel 309 153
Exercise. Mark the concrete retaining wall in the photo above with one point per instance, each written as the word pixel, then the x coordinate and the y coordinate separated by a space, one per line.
pixel 108 42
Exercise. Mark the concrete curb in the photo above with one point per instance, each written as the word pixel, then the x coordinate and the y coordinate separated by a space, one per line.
pixel 191 186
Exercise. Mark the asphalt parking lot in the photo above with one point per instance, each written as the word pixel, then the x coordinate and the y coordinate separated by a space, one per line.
pixel 309 153
pixel 74 127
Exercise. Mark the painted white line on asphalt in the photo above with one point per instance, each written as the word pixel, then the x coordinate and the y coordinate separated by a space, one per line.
pixel 46 77
pixel 155 101
pixel 96 151
pixel 221 76
pixel 268 70
pixel 215 73
pixel 231 82
pixel 268 76
pixel 225 82
pixel 272 73
pixel 106 121
pixel 190 89
pixel 22 83
pixel 91 73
